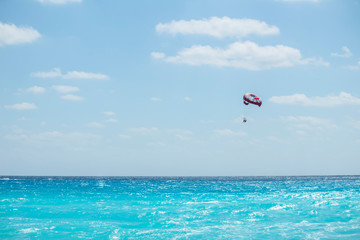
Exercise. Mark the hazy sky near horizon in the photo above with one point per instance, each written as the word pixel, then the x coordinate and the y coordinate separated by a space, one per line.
pixel 155 87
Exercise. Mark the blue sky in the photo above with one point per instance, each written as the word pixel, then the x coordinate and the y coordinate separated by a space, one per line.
pixel 155 87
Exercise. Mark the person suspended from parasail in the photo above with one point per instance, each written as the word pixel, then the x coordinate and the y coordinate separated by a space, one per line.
pixel 250 98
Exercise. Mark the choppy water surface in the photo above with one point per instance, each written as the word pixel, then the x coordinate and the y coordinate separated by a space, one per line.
pixel 180 208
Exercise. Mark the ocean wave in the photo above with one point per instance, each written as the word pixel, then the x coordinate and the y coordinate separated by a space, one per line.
pixel 196 208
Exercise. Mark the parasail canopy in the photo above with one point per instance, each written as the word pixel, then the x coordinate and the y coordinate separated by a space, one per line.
pixel 250 98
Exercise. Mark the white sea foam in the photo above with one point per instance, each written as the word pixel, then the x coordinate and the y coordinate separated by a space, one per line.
pixel 115 235
pixel 29 230
pixel 102 183
pixel 257 214
pixel 210 202
pixel 279 207
pixel 320 203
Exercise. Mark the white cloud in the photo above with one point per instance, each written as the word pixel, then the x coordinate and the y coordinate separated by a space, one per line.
pixel 228 132
pixel 345 54
pixel 36 90
pixel 22 106
pixel 356 124
pixel 316 61
pixel 309 123
pixel 275 139
pixel 246 55
pixel 109 113
pixel 112 120
pixel 181 137
pixel 188 99
pixel 180 134
pixel 65 89
pixel 95 125
pixel 207 121
pixel 300 132
pixel 43 136
pixel 155 99
pixel 180 131
pixel 218 27
pixel 157 144
pixel 143 130
pixel 314 1
pixel 157 55
pixel 22 119
pixel 84 75
pixel 47 135
pixel 123 136
pixel 59 2
pixel 329 101
pixel 73 140
pixel 353 67
pixel 56 72
pixel 71 97
pixel 11 34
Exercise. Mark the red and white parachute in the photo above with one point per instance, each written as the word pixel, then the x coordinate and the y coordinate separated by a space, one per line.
pixel 250 98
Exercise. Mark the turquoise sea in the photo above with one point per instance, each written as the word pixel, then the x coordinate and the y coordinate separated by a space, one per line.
pixel 323 207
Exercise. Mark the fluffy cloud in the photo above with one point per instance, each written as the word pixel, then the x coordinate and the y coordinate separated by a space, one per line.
pixel 329 101
pixel 241 54
pixel 345 54
pixel 156 144
pixel 84 75
pixel 36 90
pixel 180 134
pixel 73 140
pixel 157 55
pixel 109 113
pixel 56 72
pixel 123 136
pixel 65 89
pixel 293 1
pixel 71 97
pixel 11 34
pixel 155 99
pixel 59 2
pixel 22 106
pixel 143 130
pixel 356 124
pixel 247 55
pixel 228 132
pixel 112 120
pixel 218 27
pixel 179 131
pixel 310 123
pixel 181 137
pixel 95 125
pixel 353 67
pixel 304 125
